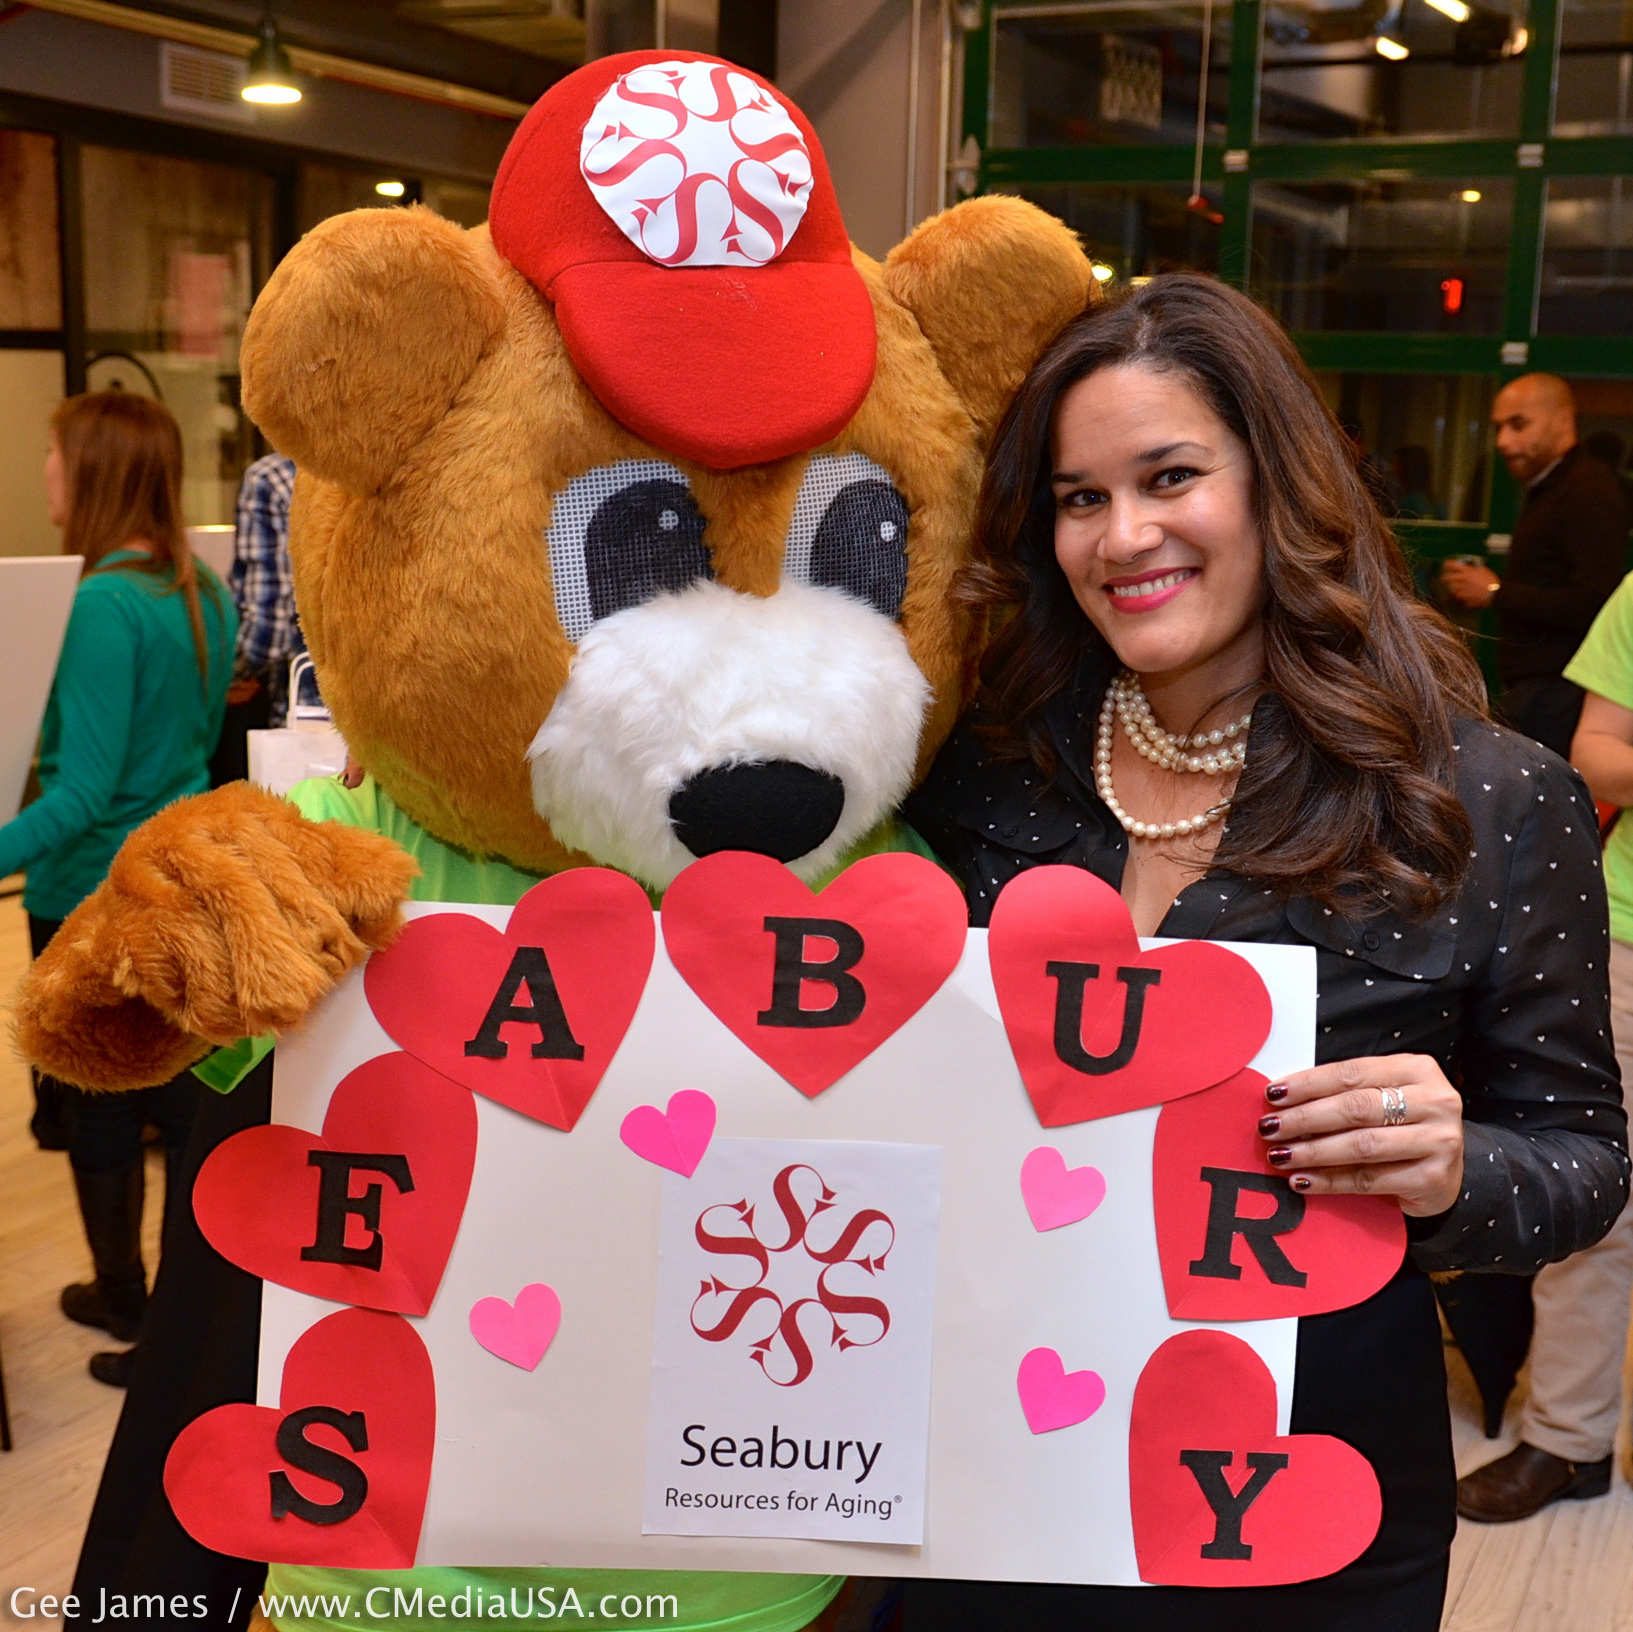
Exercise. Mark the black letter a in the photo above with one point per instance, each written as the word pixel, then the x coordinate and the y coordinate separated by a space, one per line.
pixel 531 969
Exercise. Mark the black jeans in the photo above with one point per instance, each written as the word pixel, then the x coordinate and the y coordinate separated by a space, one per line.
pixel 105 1130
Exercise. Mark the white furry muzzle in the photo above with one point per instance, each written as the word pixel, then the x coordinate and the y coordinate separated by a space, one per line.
pixel 709 678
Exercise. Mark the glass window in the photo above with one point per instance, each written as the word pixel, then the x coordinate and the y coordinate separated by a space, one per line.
pixel 1595 68
pixel 332 189
pixel 1412 256
pixel 1604 422
pixel 1587 257
pixel 459 201
pixel 174 251
pixel 30 292
pixel 1133 232
pixel 1391 68
pixel 1423 438
pixel 1114 72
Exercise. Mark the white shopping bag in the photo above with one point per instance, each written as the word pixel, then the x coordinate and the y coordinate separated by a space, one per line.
pixel 308 746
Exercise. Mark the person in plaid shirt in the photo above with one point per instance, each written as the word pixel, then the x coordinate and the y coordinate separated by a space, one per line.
pixel 263 585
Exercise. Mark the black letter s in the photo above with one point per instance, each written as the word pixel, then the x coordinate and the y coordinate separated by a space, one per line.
pixel 300 1452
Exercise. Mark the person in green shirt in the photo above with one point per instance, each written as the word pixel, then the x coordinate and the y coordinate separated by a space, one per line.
pixel 1567 1428
pixel 133 716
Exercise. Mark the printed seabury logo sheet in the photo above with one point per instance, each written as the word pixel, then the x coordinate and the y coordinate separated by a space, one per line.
pixel 792 1342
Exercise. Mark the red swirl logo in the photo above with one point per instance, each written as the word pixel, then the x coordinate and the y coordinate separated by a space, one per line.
pixel 698 164
pixel 839 1319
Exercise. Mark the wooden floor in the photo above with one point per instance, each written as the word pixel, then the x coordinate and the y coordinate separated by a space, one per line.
pixel 61 1419
pixel 1570 1569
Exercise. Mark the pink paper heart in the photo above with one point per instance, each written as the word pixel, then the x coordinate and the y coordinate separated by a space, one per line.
pixel 1056 1194
pixel 676 1138
pixel 518 1332
pixel 1053 1397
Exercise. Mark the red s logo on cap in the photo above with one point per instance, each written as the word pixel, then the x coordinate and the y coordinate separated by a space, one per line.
pixel 678 214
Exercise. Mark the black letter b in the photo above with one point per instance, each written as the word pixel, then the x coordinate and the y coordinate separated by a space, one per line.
pixel 792 970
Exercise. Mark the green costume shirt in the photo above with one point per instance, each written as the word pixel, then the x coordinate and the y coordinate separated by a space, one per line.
pixel 129 727
pixel 301 1598
pixel 1604 665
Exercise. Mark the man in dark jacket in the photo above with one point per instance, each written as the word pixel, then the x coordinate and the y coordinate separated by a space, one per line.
pixel 1569 553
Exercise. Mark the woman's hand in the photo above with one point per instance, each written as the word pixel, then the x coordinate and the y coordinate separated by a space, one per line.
pixel 1385 1126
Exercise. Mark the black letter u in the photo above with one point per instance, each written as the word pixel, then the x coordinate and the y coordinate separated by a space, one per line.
pixel 1072 978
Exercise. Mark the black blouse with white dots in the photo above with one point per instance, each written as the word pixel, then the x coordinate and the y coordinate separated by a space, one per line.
pixel 1505 986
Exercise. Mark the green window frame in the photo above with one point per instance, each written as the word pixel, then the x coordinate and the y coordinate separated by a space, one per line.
pixel 1232 166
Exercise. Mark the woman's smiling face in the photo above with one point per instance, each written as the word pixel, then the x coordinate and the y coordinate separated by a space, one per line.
pixel 1154 524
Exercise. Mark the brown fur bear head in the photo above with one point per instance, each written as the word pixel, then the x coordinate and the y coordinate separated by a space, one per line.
pixel 549 638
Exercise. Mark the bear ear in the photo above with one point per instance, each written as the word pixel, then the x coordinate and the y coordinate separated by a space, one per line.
pixel 363 337
pixel 991 281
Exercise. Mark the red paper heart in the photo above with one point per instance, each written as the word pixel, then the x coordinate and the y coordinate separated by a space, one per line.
pixel 257 1196
pixel 1344 1247
pixel 1205 1417
pixel 584 936
pixel 1202 1018
pixel 727 925
pixel 225 1471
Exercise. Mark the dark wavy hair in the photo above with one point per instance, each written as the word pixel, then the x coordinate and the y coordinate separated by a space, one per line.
pixel 1348 793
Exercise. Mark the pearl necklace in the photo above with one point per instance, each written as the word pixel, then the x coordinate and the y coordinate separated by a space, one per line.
pixel 1164 749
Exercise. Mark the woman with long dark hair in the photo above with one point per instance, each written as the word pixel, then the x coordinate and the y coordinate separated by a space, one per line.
pixel 1213 687
pixel 133 717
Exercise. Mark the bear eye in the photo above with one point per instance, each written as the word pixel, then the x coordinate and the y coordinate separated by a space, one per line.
pixel 849 532
pixel 619 535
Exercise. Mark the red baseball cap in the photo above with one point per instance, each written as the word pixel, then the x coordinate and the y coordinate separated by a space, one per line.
pixel 678 214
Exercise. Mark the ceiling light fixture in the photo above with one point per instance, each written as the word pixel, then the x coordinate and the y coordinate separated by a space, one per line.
pixel 271 74
pixel 1393 49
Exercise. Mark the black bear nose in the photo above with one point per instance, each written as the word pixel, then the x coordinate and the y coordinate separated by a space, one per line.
pixel 778 809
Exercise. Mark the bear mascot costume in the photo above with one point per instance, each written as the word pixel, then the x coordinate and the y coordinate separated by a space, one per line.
pixel 626 532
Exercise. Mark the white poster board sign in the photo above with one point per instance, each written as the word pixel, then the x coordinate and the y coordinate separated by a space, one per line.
pixel 36 595
pixel 635 1441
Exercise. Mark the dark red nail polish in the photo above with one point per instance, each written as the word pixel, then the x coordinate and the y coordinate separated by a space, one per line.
pixel 1300 1181
pixel 1269 1125
pixel 1279 1157
pixel 1276 1092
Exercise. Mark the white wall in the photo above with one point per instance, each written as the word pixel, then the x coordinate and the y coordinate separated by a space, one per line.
pixel 847 63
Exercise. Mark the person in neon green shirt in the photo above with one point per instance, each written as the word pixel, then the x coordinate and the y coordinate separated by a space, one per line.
pixel 1579 1342
pixel 307 1598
